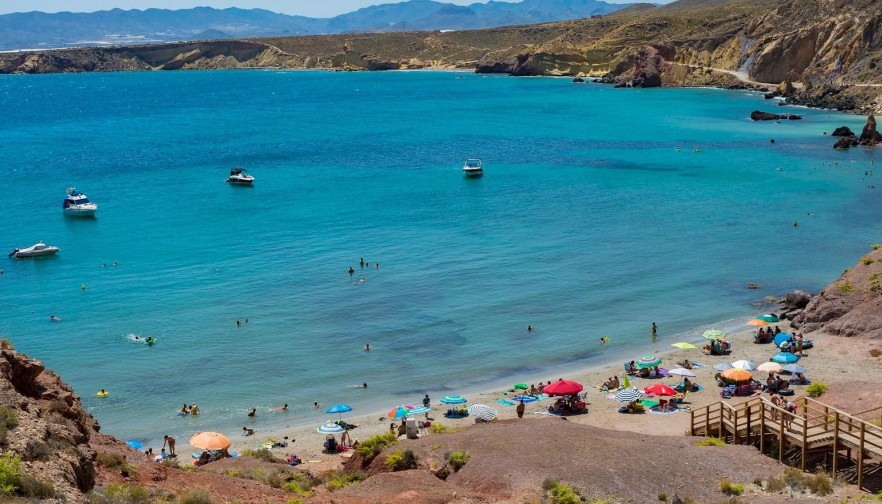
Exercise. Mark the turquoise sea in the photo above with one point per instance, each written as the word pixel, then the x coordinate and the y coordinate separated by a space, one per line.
pixel 588 222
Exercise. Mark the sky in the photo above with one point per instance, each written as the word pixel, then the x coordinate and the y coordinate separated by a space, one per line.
pixel 311 8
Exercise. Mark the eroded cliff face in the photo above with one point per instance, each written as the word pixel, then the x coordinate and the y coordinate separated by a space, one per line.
pixel 45 425
pixel 850 306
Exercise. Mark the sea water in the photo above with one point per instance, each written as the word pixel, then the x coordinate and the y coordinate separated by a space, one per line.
pixel 601 211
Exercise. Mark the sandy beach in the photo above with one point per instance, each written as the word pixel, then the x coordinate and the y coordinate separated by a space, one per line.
pixel 832 361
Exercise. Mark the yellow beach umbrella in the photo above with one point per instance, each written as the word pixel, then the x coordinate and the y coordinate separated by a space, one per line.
pixel 757 322
pixel 683 345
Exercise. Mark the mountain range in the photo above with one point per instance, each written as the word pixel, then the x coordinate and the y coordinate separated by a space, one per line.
pixel 40 30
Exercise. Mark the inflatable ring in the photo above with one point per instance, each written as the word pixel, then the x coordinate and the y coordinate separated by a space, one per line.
pixel 103 394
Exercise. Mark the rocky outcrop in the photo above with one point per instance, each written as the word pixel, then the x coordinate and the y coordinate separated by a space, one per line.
pixel 869 136
pixel 643 69
pixel 46 427
pixel 843 131
pixel 851 306
pixel 757 115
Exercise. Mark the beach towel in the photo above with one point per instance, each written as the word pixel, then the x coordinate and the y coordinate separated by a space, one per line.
pixel 657 411
pixel 611 396
pixel 505 402
pixel 696 364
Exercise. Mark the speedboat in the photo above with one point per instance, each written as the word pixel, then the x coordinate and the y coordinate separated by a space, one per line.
pixel 40 249
pixel 77 204
pixel 239 177
pixel 472 168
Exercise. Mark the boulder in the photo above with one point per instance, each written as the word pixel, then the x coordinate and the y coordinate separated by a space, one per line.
pixel 869 136
pixel 843 131
pixel 846 142
pixel 785 88
pixel 797 299
pixel 758 115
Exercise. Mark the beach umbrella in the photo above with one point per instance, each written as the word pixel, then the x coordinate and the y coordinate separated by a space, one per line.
pixel 626 382
pixel 134 444
pixel 525 398
pixel 482 411
pixel 768 318
pixel 769 367
pixel 757 322
pixel 722 366
pixel 399 411
pixel 660 389
pixel 684 345
pixel 783 338
pixel 681 372
pixel 744 364
pixel 520 386
pixel 648 361
pixel 794 368
pixel 209 441
pixel 339 409
pixel 563 387
pixel 453 399
pixel 736 375
pixel 330 427
pixel 784 358
pixel 714 334
pixel 628 395
pixel 419 410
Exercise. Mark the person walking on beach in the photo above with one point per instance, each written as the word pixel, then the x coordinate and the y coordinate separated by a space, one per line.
pixel 426 401
pixel 520 409
pixel 170 441
pixel 654 330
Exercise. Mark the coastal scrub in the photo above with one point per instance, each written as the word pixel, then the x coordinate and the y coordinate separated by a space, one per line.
pixel 561 493
pixel 816 389
pixel 374 445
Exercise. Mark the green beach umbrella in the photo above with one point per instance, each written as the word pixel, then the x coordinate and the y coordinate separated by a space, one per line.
pixel 521 386
pixel 714 334
pixel 648 361
pixel 626 382
pixel 768 318
pixel 683 345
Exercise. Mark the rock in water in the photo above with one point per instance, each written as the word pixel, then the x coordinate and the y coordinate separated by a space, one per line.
pixel 870 136
pixel 843 131
pixel 758 115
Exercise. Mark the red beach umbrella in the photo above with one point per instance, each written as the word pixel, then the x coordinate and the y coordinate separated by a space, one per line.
pixel 563 387
pixel 660 389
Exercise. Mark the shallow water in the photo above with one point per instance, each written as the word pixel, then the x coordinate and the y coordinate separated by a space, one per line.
pixel 588 222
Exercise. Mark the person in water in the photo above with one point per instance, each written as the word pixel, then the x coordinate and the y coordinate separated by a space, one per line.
pixel 283 408
pixel 367 347
pixel 185 410
pixel 351 271
pixel 247 431
pixel 253 412
pixel 194 410
pixel 54 318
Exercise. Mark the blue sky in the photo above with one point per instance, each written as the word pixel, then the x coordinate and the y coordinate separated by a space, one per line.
pixel 312 8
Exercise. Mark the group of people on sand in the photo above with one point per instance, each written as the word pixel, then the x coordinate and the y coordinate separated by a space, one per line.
pixel 534 390
pixel 646 372
pixel 189 410
pixel 611 383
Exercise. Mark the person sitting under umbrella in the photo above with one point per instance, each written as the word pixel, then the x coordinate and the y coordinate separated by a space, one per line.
pixel 204 458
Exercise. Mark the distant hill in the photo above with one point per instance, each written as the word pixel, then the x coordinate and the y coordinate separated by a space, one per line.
pixel 40 30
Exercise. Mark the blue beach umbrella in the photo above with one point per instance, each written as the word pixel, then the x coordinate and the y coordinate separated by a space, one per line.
pixel 419 410
pixel 330 427
pixel 453 399
pixel 782 337
pixel 784 358
pixel 399 411
pixel 134 444
pixel 339 409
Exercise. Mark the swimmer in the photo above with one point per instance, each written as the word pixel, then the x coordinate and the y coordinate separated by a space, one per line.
pixel 54 318
pixel 102 392
pixel 361 262
pixel 378 265
pixel 83 287
pixel 795 224
pixel 185 410
pixel 115 264
pixel 529 328
pixel 253 412
pixel 194 410
pixel 351 271
pixel 604 339
pixel 315 405
pixel 283 408
pixel 367 347
pixel 238 324
pixel 246 431
pixel 364 385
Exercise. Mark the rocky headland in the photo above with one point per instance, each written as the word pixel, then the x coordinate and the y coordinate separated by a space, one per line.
pixel 826 51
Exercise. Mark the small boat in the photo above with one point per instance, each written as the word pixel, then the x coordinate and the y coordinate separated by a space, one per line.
pixel 472 168
pixel 40 249
pixel 77 204
pixel 239 177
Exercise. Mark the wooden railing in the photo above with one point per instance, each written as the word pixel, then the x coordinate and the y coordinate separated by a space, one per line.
pixel 813 426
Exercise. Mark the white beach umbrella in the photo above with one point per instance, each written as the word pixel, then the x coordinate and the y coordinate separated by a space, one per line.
pixel 744 364
pixel 794 368
pixel 722 366
pixel 482 411
pixel 770 367
pixel 681 372
pixel 330 427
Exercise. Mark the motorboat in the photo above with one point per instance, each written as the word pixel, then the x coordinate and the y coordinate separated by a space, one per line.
pixel 77 204
pixel 40 249
pixel 472 168
pixel 238 176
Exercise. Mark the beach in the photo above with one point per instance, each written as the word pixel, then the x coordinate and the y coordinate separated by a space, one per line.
pixel 832 361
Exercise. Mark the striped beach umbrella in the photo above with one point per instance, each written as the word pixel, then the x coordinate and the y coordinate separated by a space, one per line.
pixel 329 427
pixel 399 411
pixel 648 361
pixel 419 410
pixel 628 395
pixel 714 334
pixel 482 411
pixel 453 399
pixel 722 366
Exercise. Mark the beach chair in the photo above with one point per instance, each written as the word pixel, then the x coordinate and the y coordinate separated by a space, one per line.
pixel 727 391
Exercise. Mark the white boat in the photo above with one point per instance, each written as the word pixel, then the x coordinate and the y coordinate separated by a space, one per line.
pixel 239 177
pixel 77 204
pixel 472 168
pixel 40 249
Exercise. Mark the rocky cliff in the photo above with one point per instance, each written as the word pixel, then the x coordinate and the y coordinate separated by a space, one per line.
pixel 44 431
pixel 850 306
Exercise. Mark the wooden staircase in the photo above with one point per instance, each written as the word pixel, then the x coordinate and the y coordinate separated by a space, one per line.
pixel 814 428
